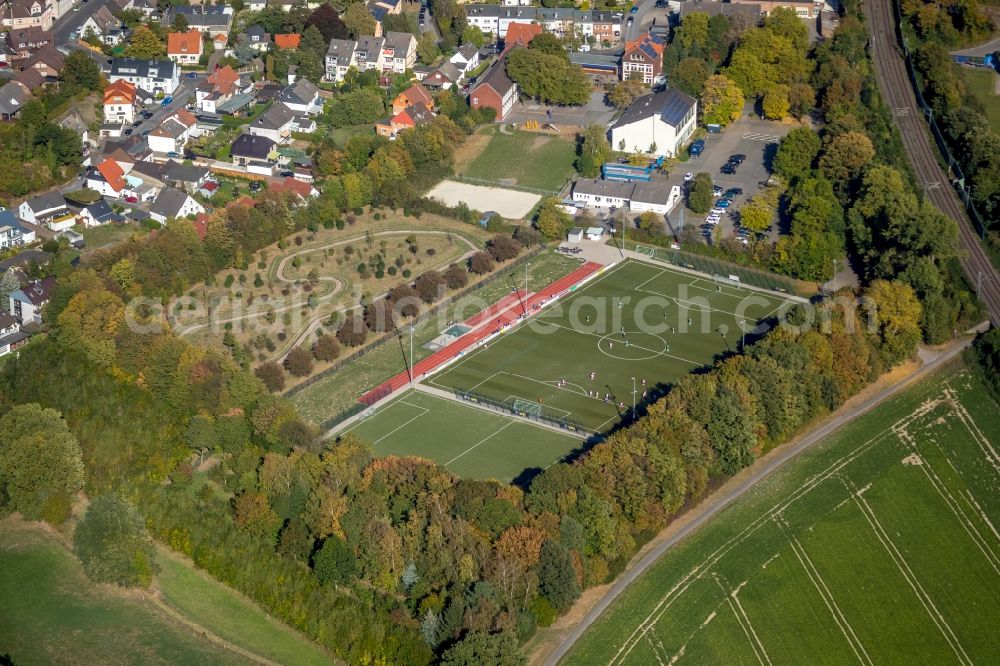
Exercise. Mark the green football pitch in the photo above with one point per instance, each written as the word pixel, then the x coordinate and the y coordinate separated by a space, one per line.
pixel 468 441
pixel 635 320
pixel 878 546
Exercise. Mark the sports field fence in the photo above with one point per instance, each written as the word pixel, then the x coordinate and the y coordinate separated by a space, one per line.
pixel 718 269
pixel 525 409
pixel 505 185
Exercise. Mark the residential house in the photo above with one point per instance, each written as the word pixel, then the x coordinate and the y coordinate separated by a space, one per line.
pixel 444 77
pixel 370 54
pixel 13 96
pixel 399 52
pixel 7 53
pixel 27 302
pixel 644 57
pixel 184 48
pixel 153 76
pixel 466 58
pixel 103 25
pixel 275 123
pixel 418 114
pixel 12 232
pixel 213 19
pixel 495 90
pixel 107 178
pixel 412 95
pixel 220 42
pixel 301 97
pixel 255 153
pixel 339 58
pixel 19 14
pixel 256 5
pixel 804 9
pixel 185 177
pixel 172 203
pixel 46 209
pixel 11 335
pixel 147 8
pixel 382 8
pixel 74 121
pixel 288 41
pixel 217 88
pixel 520 34
pixel 31 79
pixel 256 37
pixel 602 25
pixel 289 184
pixel 173 133
pixel 656 124
pixel 47 61
pixel 23 42
pixel 119 102
pixel 97 214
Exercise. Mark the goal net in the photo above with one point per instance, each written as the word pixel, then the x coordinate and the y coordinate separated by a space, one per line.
pixel 366 413
pixel 526 407
pixel 646 250
pixel 722 279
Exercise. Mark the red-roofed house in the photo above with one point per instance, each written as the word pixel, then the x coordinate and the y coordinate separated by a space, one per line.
pixel 119 102
pixel 520 34
pixel 418 114
pixel 108 178
pixel 645 57
pixel 184 48
pixel 288 40
pixel 217 88
pixel 415 94
pixel 289 184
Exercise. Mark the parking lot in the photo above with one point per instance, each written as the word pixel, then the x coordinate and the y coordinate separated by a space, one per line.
pixel 755 138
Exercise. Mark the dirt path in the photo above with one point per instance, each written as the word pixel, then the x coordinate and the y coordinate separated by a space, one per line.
pixel 554 643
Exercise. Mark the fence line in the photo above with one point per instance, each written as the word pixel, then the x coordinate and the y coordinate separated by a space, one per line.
pixel 959 175
pixel 713 266
pixel 500 183
pixel 339 365
pixel 505 408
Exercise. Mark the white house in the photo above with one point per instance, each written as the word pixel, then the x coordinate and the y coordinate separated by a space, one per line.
pixel 399 52
pixel 27 302
pixel 213 19
pixel 276 123
pixel 656 124
pixel 97 214
pixel 172 203
pixel 10 332
pixel 43 208
pixel 153 76
pixel 301 97
pixel 466 59
pixel 103 25
pixel 173 133
pixel 12 232
pixel 638 197
pixel 184 48
pixel 119 103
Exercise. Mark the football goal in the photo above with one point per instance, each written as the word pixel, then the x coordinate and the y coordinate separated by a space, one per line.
pixel 527 408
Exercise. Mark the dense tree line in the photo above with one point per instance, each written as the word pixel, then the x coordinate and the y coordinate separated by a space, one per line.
pixel 543 71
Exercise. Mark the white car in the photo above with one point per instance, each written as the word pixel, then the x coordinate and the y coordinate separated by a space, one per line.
pixel 718 211
pixel 688 176
pixel 713 219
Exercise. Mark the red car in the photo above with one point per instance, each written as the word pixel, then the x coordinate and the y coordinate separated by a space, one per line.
pixel 131 199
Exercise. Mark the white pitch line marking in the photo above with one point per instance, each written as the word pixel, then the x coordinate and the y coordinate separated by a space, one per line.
pixel 502 428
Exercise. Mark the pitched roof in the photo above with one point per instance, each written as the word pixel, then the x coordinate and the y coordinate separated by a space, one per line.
pixel 274 118
pixel 446 72
pixel 13 97
pixel 224 79
pixel 496 77
pixel 670 104
pixel 252 146
pixel 112 173
pixel 341 49
pixel 650 44
pixel 120 156
pixel 467 51
pixel 184 117
pixel 185 173
pixel 152 69
pixel 183 43
pixel 38 292
pixel 303 91
pixel 520 33
pixel 48 55
pixel 168 202
pixel 301 188
pixel 416 93
pixel 47 201
pixel 31 78
pixel 400 42
pixel 119 92
pixel 170 129
pixel 100 210
pixel 419 113
pixel 288 40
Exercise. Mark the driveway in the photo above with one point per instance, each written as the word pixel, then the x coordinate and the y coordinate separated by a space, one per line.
pixel 594 112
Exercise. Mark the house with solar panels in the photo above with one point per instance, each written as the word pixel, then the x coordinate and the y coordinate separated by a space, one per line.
pixel 655 124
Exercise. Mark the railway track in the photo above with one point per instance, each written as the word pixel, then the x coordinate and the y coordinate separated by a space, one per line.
pixel 894 83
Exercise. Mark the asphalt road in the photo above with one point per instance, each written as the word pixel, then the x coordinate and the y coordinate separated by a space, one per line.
pixel 709 508
pixel 894 83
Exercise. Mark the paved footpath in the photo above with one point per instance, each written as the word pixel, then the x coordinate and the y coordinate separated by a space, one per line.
pixel 736 487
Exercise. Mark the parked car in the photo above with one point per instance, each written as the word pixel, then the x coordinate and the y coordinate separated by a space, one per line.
pixel 728 168
pixel 172 154
pixel 738 159
pixel 634 10
pixel 716 191
pixel 630 21
pixel 688 176
pixel 696 148
pixel 732 192
pixel 132 199
pixel 287 174
pixel 167 100
pixel 192 75
pixel 723 203
pixel 128 131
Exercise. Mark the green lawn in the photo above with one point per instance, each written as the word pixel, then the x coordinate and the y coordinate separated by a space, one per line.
pixel 673 323
pixel 209 603
pixel 338 391
pixel 341 135
pixel 528 159
pixel 877 546
pixel 51 614
pixel 981 85
pixel 468 441
pixel 108 234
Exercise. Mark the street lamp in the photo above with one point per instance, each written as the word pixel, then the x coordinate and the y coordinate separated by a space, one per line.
pixel 743 333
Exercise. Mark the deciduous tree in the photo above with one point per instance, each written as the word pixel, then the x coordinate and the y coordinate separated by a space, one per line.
pixel 722 100
pixel 113 544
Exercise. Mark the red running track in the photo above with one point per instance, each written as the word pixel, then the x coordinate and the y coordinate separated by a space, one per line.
pixel 511 314
pixel 504 303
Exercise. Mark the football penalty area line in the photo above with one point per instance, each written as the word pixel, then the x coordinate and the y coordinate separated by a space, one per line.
pixel 484 439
